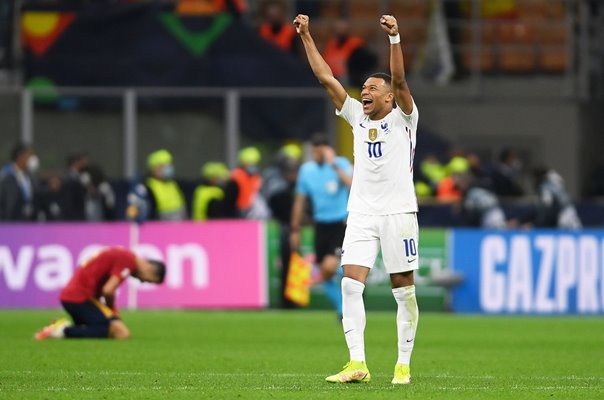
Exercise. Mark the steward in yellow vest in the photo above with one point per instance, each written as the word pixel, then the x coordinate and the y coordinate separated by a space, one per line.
pixel 159 197
pixel 209 197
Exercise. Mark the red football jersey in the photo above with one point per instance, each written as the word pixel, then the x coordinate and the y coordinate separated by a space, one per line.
pixel 90 277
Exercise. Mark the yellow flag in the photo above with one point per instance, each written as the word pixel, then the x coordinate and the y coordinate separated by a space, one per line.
pixel 297 285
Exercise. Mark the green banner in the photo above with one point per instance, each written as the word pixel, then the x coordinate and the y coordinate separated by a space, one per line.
pixel 378 295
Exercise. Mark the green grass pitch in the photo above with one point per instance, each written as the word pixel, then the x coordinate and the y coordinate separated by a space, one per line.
pixel 286 355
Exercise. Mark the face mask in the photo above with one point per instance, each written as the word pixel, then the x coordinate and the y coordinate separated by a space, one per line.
pixel 516 165
pixel 252 169
pixel 33 163
pixel 85 178
pixel 167 171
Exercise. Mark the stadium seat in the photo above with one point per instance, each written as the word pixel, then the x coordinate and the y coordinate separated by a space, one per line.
pixel 516 46
pixel 532 9
pixel 331 9
pixel 362 9
pixel 409 8
pixel 555 9
pixel 487 55
pixel 552 39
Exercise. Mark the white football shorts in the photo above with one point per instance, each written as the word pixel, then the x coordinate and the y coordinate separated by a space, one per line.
pixel 396 235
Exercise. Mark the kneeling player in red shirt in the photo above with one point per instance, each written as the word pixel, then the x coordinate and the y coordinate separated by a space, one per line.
pixel 89 297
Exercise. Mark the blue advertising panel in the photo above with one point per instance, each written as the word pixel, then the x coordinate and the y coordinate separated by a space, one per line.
pixel 529 272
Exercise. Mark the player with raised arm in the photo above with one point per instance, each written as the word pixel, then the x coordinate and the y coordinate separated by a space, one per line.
pixel 382 205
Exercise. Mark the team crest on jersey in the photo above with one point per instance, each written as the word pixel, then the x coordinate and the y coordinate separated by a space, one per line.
pixel 373 134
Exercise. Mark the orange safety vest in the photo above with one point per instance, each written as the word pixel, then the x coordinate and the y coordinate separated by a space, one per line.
pixel 446 191
pixel 283 38
pixel 337 55
pixel 249 186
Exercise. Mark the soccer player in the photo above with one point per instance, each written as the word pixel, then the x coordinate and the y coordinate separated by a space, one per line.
pixel 326 181
pixel 89 297
pixel 382 206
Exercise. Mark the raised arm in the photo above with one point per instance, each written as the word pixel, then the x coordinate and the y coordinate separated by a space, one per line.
pixel 401 91
pixel 320 68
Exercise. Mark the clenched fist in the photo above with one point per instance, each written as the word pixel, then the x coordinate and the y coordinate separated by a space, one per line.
pixel 301 23
pixel 389 25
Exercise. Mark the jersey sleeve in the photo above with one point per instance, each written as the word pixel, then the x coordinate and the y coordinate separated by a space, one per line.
pixel 124 264
pixel 412 118
pixel 350 110
pixel 301 182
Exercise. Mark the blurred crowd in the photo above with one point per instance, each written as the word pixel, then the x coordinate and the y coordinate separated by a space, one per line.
pixel 82 192
pixel 476 189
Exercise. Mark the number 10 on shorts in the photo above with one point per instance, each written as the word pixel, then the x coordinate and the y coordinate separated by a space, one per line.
pixel 410 247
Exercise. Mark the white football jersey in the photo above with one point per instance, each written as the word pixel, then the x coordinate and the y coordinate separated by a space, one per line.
pixel 382 181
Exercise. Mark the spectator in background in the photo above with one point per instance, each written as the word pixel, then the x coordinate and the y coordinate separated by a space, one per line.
pixel 73 189
pixel 479 172
pixel 209 197
pixel 100 197
pixel 340 47
pixel 554 208
pixel 50 198
pixel 326 181
pixel 277 28
pixel 245 185
pixel 361 63
pixel 447 190
pixel 507 174
pixel 431 171
pixel 160 196
pixel 278 188
pixel 18 192
pixel 479 205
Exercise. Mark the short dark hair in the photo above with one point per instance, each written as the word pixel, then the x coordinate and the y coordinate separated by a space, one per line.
pixel 387 78
pixel 75 157
pixel 160 270
pixel 381 75
pixel 506 153
pixel 19 149
pixel 319 139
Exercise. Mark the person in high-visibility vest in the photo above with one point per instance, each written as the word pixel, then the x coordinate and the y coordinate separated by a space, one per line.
pixel 159 197
pixel 209 196
pixel 340 47
pixel 245 184
pixel 276 29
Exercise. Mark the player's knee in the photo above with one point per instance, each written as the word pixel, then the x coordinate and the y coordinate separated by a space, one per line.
pixel 329 266
pixel 351 286
pixel 121 334
pixel 119 331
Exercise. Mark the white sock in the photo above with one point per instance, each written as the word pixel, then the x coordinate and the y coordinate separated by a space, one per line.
pixel 406 321
pixel 353 317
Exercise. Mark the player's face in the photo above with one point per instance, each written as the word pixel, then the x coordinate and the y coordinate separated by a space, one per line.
pixel 376 97
pixel 146 272
pixel 317 154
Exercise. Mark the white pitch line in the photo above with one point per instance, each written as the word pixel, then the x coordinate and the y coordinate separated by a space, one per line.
pixel 270 387
pixel 294 375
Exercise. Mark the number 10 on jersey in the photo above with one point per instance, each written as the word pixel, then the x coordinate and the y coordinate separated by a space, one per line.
pixel 410 248
pixel 374 149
